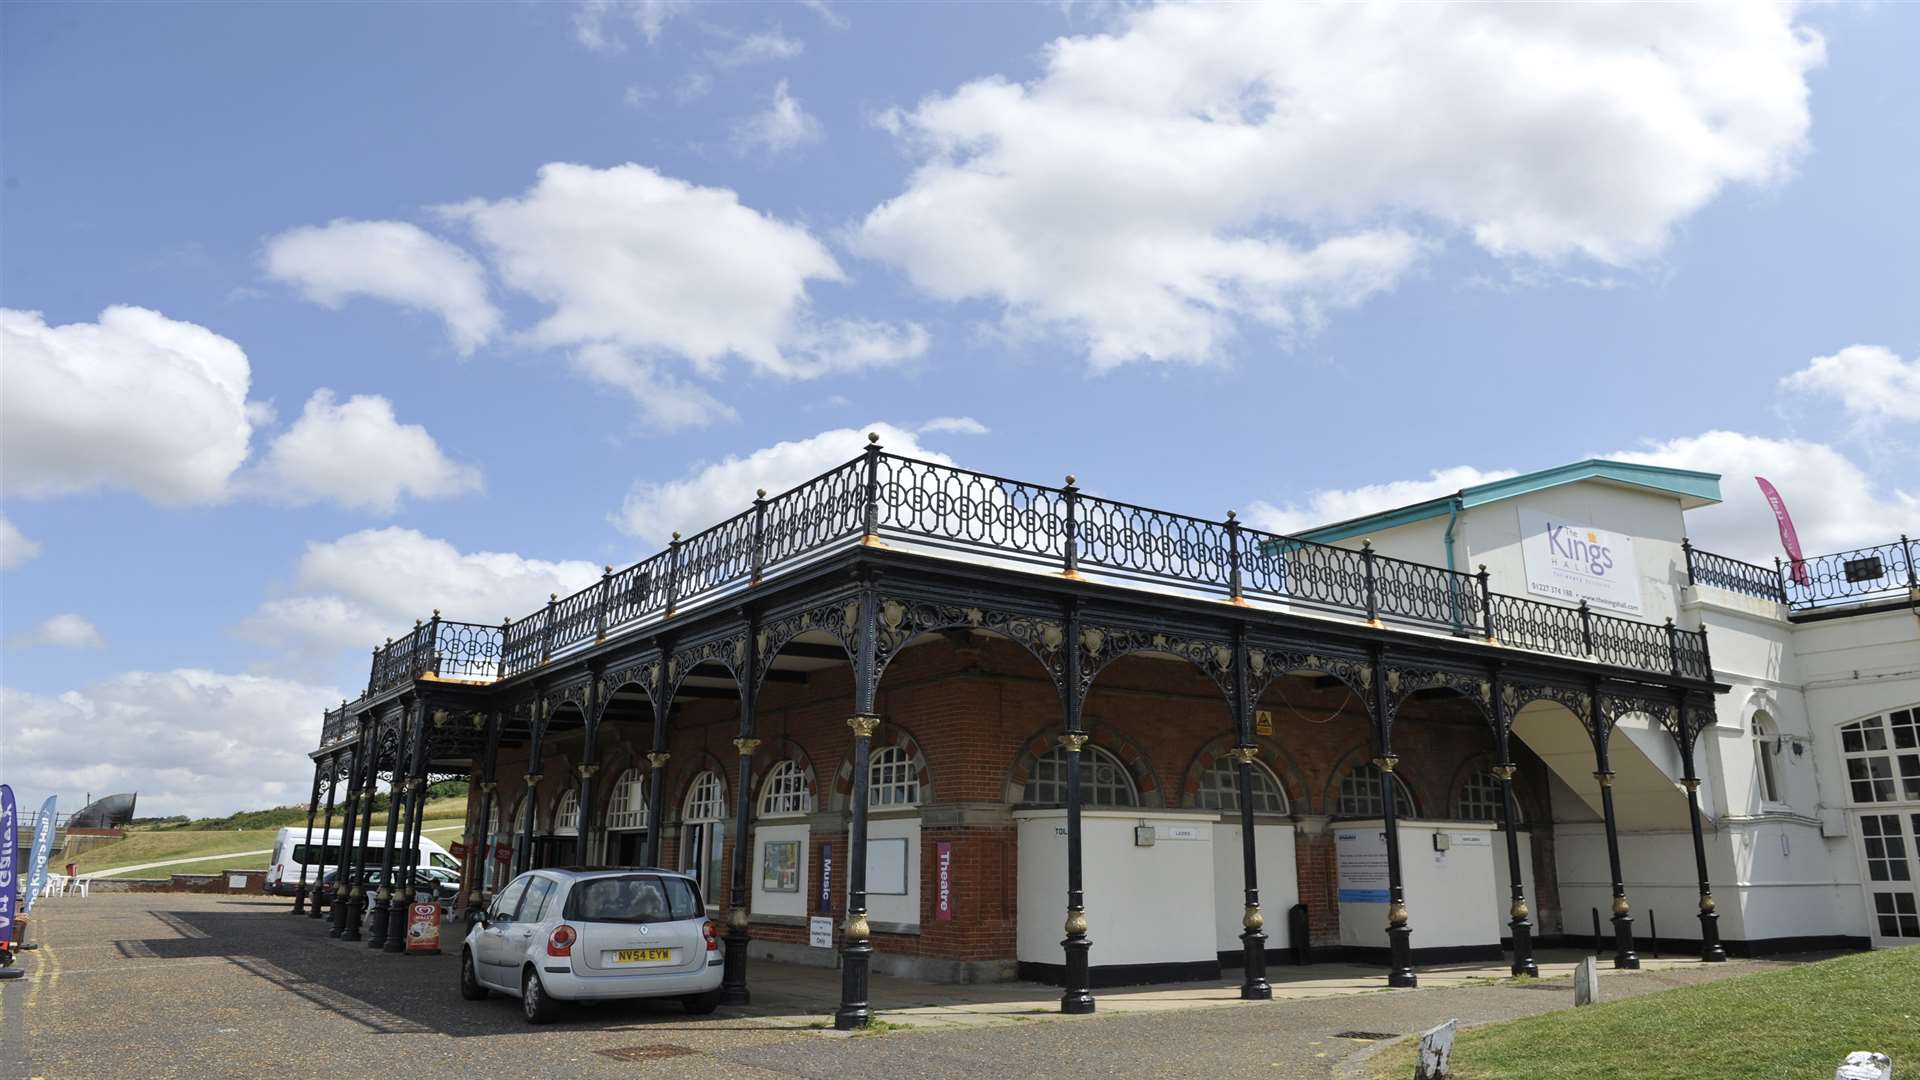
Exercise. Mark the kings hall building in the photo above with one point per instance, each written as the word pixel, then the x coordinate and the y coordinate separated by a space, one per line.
pixel 911 718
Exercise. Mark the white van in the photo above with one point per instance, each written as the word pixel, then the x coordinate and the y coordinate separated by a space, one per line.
pixel 292 862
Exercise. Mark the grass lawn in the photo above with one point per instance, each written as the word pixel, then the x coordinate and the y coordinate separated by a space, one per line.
pixel 157 845
pixel 1797 1022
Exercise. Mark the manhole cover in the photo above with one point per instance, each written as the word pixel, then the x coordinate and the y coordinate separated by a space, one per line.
pixel 1364 1036
pixel 647 1053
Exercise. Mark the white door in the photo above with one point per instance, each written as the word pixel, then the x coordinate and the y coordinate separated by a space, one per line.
pixel 1890 857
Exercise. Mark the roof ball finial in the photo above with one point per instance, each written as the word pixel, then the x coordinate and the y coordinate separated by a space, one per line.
pixel 873 437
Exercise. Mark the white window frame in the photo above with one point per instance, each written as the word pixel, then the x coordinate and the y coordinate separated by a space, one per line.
pixel 1220 788
pixel 1101 777
pixel 893 781
pixel 1890 726
pixel 784 792
pixel 706 798
pixel 1769 778
pixel 566 813
pixel 1489 795
pixel 627 802
pixel 1351 789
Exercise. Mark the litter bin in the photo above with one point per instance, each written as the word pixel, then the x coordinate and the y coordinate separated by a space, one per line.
pixel 1299 934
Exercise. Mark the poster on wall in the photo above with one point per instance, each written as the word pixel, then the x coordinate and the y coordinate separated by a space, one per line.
pixel 1569 561
pixel 887 866
pixel 1362 854
pixel 780 866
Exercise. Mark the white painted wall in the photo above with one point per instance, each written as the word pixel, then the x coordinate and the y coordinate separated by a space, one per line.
pixel 1503 882
pixel 1140 900
pixel 882 907
pixel 1278 878
pixel 779 903
pixel 1449 893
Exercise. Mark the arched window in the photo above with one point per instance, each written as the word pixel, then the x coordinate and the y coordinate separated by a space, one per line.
pixel 1481 799
pixel 1103 780
pixel 1220 788
pixel 784 792
pixel 1883 757
pixel 891 778
pixel 703 831
pixel 627 802
pixel 1766 747
pixel 566 817
pixel 1360 794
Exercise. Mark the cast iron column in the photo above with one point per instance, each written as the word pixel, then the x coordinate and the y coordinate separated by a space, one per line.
pixel 410 851
pixel 523 850
pixel 343 864
pixel 379 915
pixel 583 828
pixel 313 804
pixel 857 945
pixel 1399 934
pixel 1076 995
pixel 358 889
pixel 733 980
pixel 1602 731
pixel 657 768
pixel 1710 948
pixel 480 857
pixel 1253 938
pixel 1517 913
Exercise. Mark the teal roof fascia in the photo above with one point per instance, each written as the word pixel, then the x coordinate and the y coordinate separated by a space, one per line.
pixel 1693 488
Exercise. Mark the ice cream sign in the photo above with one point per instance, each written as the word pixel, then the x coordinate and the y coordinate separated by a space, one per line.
pixel 1570 561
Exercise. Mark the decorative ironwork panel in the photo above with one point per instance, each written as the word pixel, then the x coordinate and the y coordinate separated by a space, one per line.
pixel 1881 570
pixel 1267 663
pixel 1690 649
pixel 1707 568
pixel 1303 572
pixel 729 651
pixel 1518 695
pixel 467 651
pixel 1615 707
pixel 576 619
pixel 1626 643
pixel 1530 624
pixel 839 618
pixel 1101 646
pixel 901 620
pixel 1141 542
pixel 714 559
pixel 637 591
pixel 803 521
pixel 522 642
pixel 1430 595
pixel 998 517
pixel 1403 681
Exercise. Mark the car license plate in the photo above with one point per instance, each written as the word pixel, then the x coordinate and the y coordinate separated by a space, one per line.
pixel 640 956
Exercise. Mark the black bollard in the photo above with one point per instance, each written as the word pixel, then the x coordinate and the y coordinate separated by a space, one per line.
pixel 1597 939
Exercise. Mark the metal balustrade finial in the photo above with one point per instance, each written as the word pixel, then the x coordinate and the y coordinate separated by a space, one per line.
pixel 1232 515
pixel 873 437
pixel 1071 479
pixel 759 493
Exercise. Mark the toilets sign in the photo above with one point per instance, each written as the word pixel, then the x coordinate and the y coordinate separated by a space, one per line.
pixel 1571 561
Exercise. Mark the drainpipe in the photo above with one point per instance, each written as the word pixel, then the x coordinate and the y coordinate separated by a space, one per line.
pixel 1453 602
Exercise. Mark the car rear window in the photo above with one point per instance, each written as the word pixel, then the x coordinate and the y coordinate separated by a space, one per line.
pixel 633 899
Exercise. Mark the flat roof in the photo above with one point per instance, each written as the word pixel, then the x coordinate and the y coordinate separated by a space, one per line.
pixel 1693 489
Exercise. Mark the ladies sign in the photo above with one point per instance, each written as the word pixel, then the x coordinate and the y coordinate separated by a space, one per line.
pixel 1571 561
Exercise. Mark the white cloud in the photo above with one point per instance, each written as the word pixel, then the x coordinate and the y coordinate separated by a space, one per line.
pixel 666 403
pixel 358 590
pixel 629 258
pixel 15 548
pixel 358 455
pixel 596 23
pixel 1209 167
pixel 189 741
pixel 392 261
pixel 135 401
pixel 639 97
pixel 758 47
pixel 780 127
pixel 1836 505
pixel 711 493
pixel 826 12
pixel 63 631
pixel 953 425
pixel 1328 505
pixel 1871 382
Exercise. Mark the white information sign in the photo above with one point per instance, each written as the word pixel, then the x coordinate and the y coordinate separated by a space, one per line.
pixel 236 881
pixel 820 931
pixel 887 866
pixel 1471 839
pixel 1179 832
pixel 1362 854
pixel 1571 561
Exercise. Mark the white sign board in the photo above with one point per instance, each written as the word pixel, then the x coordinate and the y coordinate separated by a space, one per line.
pixel 1471 839
pixel 820 932
pixel 1570 561
pixel 1362 854
pixel 236 881
pixel 1179 832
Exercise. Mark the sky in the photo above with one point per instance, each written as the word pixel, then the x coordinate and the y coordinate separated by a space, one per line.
pixel 320 317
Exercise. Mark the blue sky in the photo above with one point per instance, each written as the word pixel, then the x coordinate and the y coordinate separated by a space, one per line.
pixel 452 304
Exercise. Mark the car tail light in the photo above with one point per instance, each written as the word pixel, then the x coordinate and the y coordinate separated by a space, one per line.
pixel 560 942
pixel 712 934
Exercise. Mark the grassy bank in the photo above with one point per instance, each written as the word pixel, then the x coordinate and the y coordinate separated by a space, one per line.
pixel 157 845
pixel 1799 1021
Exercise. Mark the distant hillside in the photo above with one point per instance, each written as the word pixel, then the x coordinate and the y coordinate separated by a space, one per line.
pixel 279 816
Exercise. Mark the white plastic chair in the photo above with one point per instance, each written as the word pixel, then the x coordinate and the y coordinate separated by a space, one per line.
pixel 84 883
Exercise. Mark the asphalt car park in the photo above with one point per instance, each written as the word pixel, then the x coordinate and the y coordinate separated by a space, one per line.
pixel 178 985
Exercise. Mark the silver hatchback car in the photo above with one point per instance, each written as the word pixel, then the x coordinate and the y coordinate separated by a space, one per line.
pixel 553 936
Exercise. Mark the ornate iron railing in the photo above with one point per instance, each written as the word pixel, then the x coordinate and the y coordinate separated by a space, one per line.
pixel 1844 577
pixel 916 504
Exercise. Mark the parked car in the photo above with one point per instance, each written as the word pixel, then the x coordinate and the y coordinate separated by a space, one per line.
pixel 553 936
pixel 445 883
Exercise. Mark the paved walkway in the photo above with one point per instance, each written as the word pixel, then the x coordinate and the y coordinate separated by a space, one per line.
pixel 221 986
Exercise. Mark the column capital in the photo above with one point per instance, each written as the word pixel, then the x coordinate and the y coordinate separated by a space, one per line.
pixel 1386 763
pixel 1245 755
pixel 533 779
pixel 586 770
pixel 488 787
pixel 746 746
pixel 1691 783
pixel 1072 742
pixel 1504 771
pixel 1605 776
pixel 863 725
pixel 658 760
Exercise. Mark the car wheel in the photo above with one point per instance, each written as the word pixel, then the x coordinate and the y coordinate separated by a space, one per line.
pixel 701 1004
pixel 534 1002
pixel 470 985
